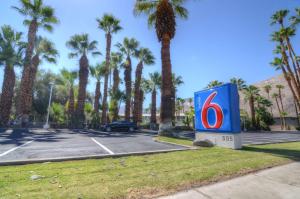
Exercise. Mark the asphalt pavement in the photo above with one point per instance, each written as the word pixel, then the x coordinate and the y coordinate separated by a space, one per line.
pixel 39 144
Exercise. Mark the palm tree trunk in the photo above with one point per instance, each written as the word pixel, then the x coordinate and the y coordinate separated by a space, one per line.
pixel 153 107
pixel 252 110
pixel 140 108
pixel 296 72
pixel 115 89
pixel 127 76
pixel 286 63
pixel 166 89
pixel 83 80
pixel 137 85
pixel 288 79
pixel 33 71
pixel 173 105
pixel 107 64
pixel 293 55
pixel 281 103
pixel 97 97
pixel 280 115
pixel 71 107
pixel 23 107
pixel 7 94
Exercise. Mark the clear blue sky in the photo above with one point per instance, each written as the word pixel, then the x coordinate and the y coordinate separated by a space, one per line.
pixel 221 39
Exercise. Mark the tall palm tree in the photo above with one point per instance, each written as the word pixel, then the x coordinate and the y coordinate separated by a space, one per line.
pixel 116 60
pixel 128 48
pixel 214 83
pixel 98 72
pixel 110 25
pixel 162 15
pixel 251 92
pixel 277 36
pixel 11 55
pixel 176 82
pixel 43 50
pixel 154 83
pixel 37 16
pixel 81 46
pixel 146 57
pixel 268 89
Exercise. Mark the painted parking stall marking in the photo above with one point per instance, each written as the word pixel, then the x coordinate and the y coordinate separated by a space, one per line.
pixel 15 148
pixel 102 146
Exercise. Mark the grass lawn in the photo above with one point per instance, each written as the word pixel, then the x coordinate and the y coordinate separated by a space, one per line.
pixel 140 176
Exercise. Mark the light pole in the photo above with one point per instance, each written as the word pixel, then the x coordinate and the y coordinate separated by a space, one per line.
pixel 46 126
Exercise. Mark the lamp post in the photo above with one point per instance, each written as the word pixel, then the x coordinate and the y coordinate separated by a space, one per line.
pixel 46 126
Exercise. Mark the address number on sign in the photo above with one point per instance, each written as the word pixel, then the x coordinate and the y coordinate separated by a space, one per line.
pixel 227 138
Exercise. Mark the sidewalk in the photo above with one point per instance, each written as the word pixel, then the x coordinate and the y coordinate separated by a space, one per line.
pixel 277 183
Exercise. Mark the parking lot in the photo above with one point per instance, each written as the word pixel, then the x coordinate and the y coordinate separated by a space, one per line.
pixel 39 144
pixel 21 145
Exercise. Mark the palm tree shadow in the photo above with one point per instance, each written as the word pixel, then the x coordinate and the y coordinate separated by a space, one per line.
pixel 285 153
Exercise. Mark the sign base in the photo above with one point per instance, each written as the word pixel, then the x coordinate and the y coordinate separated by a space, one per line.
pixel 227 140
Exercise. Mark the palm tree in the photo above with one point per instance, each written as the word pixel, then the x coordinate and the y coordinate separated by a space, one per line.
pixel 43 50
pixel 176 82
pixel 162 15
pixel 81 46
pixel 128 48
pixel 116 60
pixel 37 15
pixel 268 89
pixel 214 83
pixel 69 78
pixel 251 92
pixel 11 55
pixel 146 57
pixel 110 25
pixel 98 72
pixel 277 36
pixel 240 83
pixel 287 33
pixel 154 83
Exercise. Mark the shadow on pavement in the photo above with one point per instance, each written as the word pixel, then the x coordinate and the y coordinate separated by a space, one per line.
pixel 286 153
pixel 20 136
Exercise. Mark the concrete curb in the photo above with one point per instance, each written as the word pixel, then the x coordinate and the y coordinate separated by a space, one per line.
pixel 118 155
pixel 190 147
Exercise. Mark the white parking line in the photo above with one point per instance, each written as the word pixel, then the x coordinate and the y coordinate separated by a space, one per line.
pixel 102 146
pixel 13 149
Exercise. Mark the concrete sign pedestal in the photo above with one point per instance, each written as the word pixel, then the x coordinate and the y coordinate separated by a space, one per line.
pixel 226 140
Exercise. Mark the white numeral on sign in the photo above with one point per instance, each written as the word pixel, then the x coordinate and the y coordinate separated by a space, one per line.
pixel 227 138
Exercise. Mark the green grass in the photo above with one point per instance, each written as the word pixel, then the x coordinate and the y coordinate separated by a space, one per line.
pixel 180 141
pixel 140 176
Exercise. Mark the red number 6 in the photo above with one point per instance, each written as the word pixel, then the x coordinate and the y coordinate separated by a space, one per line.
pixel 218 111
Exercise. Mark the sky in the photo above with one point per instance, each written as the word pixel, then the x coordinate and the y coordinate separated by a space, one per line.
pixel 221 38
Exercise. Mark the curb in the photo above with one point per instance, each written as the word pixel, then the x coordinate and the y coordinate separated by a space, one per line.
pixel 189 147
pixel 118 155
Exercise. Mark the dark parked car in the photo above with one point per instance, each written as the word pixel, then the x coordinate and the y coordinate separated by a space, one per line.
pixel 120 126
